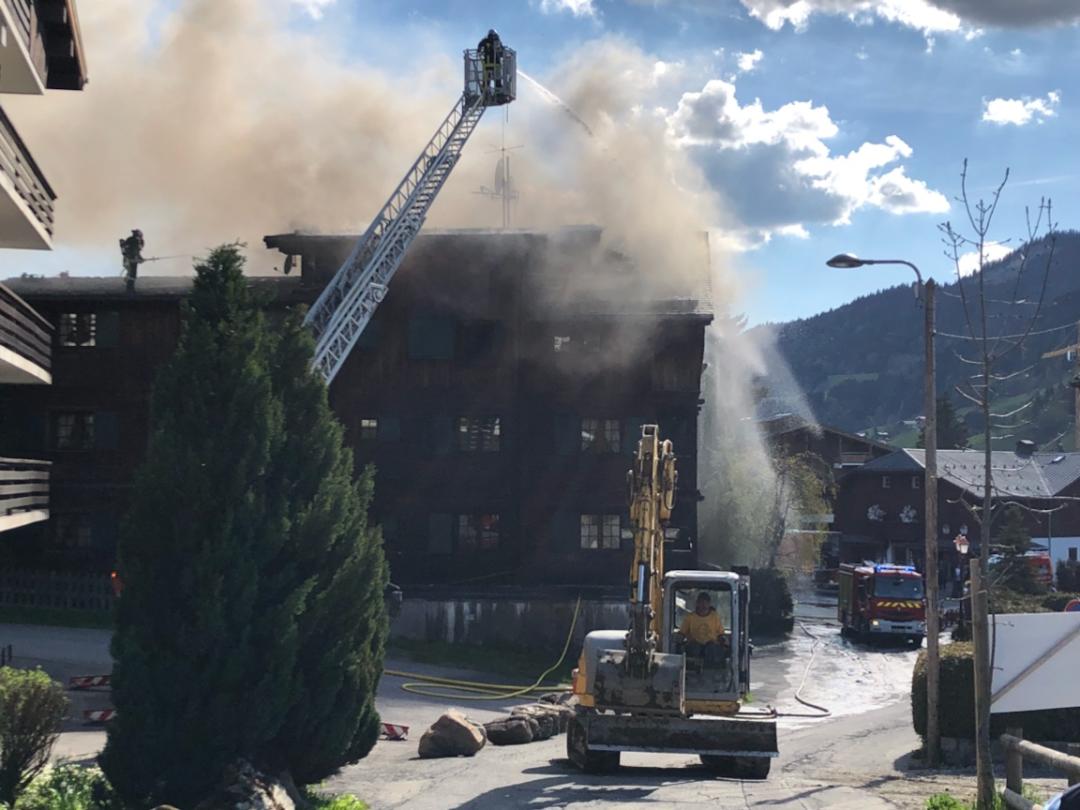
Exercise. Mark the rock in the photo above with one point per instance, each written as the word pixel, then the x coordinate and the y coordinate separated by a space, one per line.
pixel 510 731
pixel 245 788
pixel 559 698
pixel 452 735
pixel 558 715
pixel 546 719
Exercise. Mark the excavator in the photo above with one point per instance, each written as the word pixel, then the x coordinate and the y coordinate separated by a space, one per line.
pixel 644 689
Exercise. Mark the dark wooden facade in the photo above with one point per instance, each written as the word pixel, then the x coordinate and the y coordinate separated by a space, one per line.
pixel 880 506
pixel 497 411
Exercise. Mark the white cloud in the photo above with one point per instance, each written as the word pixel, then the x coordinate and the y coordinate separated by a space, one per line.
pixel 314 7
pixel 928 16
pixel 749 61
pixel 776 171
pixel 579 8
pixel 992 251
pixel 918 14
pixel 1021 111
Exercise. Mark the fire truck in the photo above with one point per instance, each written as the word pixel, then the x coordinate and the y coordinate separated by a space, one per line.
pixel 875 599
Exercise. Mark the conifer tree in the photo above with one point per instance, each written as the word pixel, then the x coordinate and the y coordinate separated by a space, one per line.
pixel 251 623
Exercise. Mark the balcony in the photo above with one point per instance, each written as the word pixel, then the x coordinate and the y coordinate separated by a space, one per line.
pixel 40 47
pixel 26 199
pixel 24 492
pixel 25 343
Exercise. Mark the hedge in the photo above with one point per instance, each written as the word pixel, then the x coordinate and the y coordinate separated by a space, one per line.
pixel 772 610
pixel 956 703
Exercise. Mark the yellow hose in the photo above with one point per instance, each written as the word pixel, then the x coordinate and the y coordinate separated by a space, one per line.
pixel 456 689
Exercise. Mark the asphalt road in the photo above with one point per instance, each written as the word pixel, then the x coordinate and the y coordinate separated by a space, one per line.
pixel 857 757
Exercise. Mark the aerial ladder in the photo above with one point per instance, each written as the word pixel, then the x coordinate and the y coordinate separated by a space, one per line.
pixel 345 306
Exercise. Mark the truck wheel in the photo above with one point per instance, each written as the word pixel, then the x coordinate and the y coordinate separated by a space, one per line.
pixel 752 767
pixel 579 754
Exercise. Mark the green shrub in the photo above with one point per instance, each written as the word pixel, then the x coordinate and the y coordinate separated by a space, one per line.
pixel 320 801
pixel 956 703
pixel 772 610
pixel 1068 575
pixel 946 801
pixel 69 787
pixel 1056 602
pixel 32 707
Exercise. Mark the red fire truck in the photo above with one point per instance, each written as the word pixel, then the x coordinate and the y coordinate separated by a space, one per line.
pixel 877 599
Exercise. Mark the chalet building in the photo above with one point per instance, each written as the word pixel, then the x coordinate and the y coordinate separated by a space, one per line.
pixel 791 434
pixel 880 506
pixel 499 391
pixel 40 48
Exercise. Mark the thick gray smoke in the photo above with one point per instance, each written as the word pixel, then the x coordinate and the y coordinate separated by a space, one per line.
pixel 212 120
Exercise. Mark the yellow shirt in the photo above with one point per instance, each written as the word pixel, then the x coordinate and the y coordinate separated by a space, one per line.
pixel 702 629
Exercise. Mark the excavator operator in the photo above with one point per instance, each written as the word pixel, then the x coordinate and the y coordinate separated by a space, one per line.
pixel 703 632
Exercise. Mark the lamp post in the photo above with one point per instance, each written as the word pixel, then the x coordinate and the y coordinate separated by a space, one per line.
pixel 928 290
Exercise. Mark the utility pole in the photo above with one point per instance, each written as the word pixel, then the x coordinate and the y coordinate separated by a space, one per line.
pixel 980 634
pixel 927 289
pixel 930 534
pixel 1074 383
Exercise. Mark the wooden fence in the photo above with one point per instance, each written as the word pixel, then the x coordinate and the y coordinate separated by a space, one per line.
pixel 62 590
pixel 1017 749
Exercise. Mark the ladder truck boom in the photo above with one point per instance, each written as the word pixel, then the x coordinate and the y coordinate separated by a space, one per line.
pixel 345 306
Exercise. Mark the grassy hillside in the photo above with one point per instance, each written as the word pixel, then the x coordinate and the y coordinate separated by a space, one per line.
pixel 860 364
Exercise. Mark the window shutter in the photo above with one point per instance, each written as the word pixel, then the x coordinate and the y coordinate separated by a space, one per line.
pixel 567 434
pixel 108 329
pixel 431 337
pixel 389 429
pixel 442 435
pixel 565 531
pixel 632 434
pixel 440 533
pixel 106 430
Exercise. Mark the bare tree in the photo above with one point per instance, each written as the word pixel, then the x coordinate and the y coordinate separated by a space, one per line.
pixel 995 329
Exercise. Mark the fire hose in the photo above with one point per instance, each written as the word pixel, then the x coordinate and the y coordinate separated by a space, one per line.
pixel 457 689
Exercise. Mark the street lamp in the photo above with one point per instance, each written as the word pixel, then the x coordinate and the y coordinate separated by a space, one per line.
pixel 849 261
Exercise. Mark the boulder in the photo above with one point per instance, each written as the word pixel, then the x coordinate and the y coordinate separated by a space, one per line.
pixel 556 715
pixel 559 698
pixel 511 730
pixel 452 735
pixel 245 788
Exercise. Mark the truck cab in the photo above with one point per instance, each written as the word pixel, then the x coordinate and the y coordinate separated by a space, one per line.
pixel 878 599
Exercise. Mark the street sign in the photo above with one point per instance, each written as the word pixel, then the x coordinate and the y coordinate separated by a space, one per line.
pixel 1073 606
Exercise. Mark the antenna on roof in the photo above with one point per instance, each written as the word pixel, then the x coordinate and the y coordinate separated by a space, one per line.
pixel 503 188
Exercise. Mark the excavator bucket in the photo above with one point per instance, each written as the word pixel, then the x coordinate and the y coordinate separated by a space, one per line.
pixel 713 736
pixel 662 691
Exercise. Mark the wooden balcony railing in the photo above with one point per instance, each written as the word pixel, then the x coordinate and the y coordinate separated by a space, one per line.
pixel 23 331
pixel 17 164
pixel 24 486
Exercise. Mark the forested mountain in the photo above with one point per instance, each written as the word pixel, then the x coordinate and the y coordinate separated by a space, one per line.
pixel 861 364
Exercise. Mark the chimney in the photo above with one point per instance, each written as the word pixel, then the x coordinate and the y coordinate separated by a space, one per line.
pixel 1025 448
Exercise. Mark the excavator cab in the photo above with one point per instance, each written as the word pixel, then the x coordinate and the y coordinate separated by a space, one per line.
pixel 491 72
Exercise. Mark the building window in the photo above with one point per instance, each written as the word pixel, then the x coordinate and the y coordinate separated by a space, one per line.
pixel 72 532
pixel 73 431
pixel 916 482
pixel 601 531
pixel 78 329
pixel 477 532
pixel 478 434
pixel 600 435
pixel 886 482
pixel 369 429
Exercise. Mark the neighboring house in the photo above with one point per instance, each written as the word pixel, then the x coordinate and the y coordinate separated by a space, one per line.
pixel 880 506
pixel 499 392
pixel 40 49
pixel 843 452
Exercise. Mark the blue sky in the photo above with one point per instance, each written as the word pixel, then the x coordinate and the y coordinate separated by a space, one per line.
pixel 820 126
